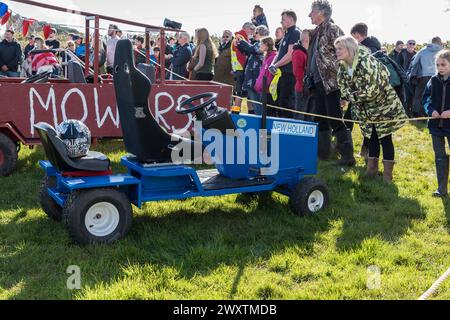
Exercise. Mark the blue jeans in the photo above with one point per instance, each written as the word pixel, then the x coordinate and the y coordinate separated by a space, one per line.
pixel 439 145
pixel 10 74
pixel 255 96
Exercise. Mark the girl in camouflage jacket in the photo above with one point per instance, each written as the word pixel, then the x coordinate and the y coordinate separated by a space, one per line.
pixel 364 82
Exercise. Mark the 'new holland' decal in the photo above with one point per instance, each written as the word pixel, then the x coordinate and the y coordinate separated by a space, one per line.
pixel 294 129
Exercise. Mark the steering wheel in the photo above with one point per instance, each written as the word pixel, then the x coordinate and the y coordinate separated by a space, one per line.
pixel 187 106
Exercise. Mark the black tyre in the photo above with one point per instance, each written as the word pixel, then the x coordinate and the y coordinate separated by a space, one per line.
pixel 8 155
pixel 50 207
pixel 97 216
pixel 309 197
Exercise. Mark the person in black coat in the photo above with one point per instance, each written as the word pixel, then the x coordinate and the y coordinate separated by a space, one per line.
pixel 181 57
pixel 360 33
pixel 10 55
pixel 404 60
pixel 407 55
pixel 395 54
pixel 436 102
pixel 140 52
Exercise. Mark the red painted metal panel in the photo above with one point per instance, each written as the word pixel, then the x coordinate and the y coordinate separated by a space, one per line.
pixel 24 105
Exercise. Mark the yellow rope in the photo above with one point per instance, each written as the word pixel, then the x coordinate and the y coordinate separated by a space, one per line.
pixel 312 114
pixel 339 119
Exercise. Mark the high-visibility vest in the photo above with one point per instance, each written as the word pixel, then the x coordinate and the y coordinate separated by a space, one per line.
pixel 235 64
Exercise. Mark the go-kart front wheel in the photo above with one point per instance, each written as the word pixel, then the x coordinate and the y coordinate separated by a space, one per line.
pixel 8 155
pixel 97 216
pixel 50 207
pixel 309 197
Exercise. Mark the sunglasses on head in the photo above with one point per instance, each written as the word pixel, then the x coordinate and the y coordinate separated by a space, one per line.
pixel 411 44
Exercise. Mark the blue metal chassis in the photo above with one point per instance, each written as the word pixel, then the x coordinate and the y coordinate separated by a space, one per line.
pixel 144 183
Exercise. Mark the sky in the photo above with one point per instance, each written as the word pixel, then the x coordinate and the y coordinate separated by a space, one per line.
pixel 388 20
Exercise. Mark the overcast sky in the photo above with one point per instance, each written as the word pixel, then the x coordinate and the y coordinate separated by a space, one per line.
pixel 389 20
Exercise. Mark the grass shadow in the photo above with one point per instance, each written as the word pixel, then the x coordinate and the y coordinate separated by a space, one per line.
pixel 194 242
pixel 446 204
pixel 194 238
pixel 375 210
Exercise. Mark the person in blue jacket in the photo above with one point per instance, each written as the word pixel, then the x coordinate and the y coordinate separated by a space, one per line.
pixel 423 67
pixel 80 50
pixel 259 17
pixel 436 101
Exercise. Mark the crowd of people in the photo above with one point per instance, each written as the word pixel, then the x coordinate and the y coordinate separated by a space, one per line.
pixel 320 71
pixel 333 76
pixel 40 55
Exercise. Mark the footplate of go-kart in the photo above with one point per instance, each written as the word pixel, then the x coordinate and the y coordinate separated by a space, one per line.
pixel 219 182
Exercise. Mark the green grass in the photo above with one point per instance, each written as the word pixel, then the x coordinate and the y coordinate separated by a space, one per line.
pixel 220 249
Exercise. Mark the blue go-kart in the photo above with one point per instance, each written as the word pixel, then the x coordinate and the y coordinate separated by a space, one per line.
pixel 96 205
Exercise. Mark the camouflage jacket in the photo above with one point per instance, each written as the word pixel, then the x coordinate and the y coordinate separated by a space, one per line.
pixel 325 53
pixel 371 95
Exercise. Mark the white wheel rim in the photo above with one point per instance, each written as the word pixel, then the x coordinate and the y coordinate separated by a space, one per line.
pixel 102 219
pixel 316 201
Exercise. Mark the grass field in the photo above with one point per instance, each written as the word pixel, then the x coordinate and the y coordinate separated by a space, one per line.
pixel 222 249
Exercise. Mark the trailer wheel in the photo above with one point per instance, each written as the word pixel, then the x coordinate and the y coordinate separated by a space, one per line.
pixel 8 155
pixel 50 207
pixel 309 197
pixel 100 216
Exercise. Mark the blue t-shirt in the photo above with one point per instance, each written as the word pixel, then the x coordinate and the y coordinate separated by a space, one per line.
pixel 291 37
pixel 80 51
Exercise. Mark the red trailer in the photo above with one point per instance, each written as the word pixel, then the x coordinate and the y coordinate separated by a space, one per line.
pixel 22 105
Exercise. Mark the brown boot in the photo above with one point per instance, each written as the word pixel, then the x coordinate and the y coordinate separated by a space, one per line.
pixel 388 170
pixel 372 167
pixel 364 153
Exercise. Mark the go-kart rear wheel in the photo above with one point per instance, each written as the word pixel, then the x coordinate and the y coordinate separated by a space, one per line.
pixel 8 155
pixel 50 207
pixel 309 197
pixel 97 216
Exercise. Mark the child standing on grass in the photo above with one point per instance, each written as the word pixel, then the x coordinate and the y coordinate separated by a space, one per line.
pixel 436 101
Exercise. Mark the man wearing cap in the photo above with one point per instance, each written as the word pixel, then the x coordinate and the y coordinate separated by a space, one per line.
pixel 80 50
pixel 111 47
pixel 52 42
pixel 30 46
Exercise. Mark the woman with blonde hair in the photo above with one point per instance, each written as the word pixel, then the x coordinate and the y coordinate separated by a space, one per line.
pixel 42 62
pixel 205 56
pixel 364 82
